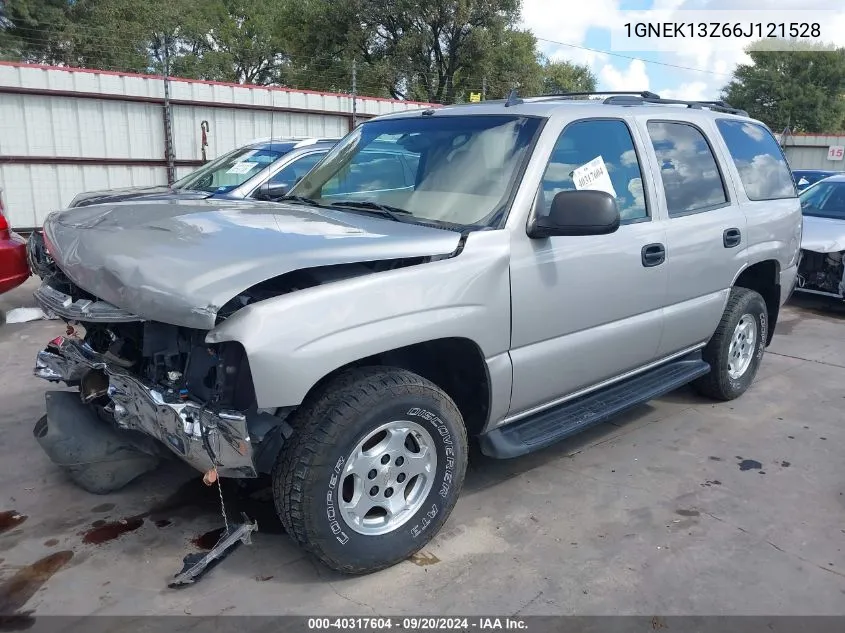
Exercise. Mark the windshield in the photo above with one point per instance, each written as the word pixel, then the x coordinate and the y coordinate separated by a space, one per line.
pixel 230 170
pixel 825 199
pixel 459 170
pixel 805 179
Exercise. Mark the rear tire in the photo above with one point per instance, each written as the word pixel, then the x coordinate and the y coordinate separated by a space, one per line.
pixel 373 469
pixel 736 348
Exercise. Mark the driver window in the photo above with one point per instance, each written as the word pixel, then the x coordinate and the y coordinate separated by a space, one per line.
pixel 609 148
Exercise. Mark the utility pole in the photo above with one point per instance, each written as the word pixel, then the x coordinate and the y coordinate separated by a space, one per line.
pixel 168 117
pixel 354 95
pixel 484 88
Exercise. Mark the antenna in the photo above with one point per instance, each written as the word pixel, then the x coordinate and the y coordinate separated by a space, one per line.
pixel 513 99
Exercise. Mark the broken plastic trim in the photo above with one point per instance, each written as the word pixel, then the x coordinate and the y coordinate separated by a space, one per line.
pixel 53 301
pixel 195 565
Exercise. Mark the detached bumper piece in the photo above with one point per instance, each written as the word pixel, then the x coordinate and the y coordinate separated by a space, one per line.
pixel 195 565
pixel 201 435
pixel 95 456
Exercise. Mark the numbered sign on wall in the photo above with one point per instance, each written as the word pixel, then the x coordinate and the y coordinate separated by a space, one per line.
pixel 835 152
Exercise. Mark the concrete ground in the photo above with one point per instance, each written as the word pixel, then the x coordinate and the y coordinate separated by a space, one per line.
pixel 680 507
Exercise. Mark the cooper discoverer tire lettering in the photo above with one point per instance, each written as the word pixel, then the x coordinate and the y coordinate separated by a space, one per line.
pixel 373 470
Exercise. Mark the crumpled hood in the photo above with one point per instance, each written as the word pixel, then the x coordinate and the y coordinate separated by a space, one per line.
pixel 178 262
pixel 135 193
pixel 823 235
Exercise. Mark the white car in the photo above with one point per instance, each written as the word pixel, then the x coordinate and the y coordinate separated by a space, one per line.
pixel 820 270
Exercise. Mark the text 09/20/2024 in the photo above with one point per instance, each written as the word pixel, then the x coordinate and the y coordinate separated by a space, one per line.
pixel 422 623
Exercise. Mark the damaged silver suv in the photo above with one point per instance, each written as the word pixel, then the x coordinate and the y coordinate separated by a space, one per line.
pixel 510 271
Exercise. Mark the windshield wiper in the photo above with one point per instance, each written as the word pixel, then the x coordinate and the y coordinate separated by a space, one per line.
pixel 300 199
pixel 385 210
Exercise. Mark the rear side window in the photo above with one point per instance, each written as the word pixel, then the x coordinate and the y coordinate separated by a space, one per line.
pixel 689 171
pixel 762 168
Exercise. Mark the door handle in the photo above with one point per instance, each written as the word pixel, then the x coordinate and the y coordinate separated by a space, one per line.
pixel 653 255
pixel 731 238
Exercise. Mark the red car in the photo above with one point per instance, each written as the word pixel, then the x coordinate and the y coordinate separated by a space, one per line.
pixel 14 267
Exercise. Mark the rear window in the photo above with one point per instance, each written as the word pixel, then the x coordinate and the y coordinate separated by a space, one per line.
pixel 763 170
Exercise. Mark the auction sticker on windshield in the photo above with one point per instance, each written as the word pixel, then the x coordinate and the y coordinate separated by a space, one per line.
pixel 241 168
pixel 593 175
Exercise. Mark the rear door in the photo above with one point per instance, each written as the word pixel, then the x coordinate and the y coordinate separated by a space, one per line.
pixel 705 233
pixel 766 191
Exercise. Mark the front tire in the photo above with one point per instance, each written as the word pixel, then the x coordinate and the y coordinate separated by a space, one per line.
pixel 373 470
pixel 736 348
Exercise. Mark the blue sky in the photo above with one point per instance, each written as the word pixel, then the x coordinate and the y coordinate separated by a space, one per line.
pixel 709 63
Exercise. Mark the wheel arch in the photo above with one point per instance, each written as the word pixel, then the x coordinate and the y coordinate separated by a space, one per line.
pixel 455 364
pixel 764 278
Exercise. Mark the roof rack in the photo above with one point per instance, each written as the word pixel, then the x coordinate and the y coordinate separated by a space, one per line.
pixel 717 106
pixel 645 94
pixel 629 97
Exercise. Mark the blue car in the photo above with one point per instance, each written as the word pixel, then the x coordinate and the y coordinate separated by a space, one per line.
pixel 805 177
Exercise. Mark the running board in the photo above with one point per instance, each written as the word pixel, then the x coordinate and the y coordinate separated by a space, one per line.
pixel 557 423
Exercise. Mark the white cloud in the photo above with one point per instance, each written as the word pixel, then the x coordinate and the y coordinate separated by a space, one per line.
pixel 634 77
pixel 570 23
pixel 692 91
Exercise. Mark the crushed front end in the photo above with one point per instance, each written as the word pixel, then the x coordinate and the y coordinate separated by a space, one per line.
pixel 156 379
pixel 152 378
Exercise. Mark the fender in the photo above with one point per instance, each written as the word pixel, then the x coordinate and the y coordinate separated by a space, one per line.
pixel 294 340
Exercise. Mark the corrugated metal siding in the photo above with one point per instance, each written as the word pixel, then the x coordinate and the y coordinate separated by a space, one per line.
pixel 36 125
pixel 52 114
pixel 231 128
pixel 810 152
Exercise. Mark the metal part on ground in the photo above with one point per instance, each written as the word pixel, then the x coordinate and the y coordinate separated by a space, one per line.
pixel 195 564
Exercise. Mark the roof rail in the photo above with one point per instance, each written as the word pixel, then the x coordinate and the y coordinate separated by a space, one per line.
pixel 569 95
pixel 717 106
pixel 635 97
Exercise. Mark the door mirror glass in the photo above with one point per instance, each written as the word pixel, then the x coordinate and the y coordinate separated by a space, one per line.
pixel 272 190
pixel 574 212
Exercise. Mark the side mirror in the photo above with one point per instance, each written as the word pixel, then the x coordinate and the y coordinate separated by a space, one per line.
pixel 584 212
pixel 272 191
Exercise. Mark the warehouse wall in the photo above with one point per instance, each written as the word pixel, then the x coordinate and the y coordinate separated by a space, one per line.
pixel 810 151
pixel 64 131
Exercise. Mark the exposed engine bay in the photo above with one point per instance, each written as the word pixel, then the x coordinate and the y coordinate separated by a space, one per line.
pixel 822 273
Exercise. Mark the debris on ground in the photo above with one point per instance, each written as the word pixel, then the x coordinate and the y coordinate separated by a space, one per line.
pixel 196 564
pixel 24 315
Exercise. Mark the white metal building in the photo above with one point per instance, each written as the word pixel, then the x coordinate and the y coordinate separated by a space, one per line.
pixel 815 151
pixel 64 131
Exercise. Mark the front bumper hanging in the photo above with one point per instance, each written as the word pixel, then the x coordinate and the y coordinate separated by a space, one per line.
pixel 199 434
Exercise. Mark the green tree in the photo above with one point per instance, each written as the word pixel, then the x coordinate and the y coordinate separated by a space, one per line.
pixel 432 49
pixel 564 76
pixel 32 30
pixel 513 63
pixel 802 88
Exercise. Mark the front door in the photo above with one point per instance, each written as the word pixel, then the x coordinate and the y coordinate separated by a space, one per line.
pixel 588 309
